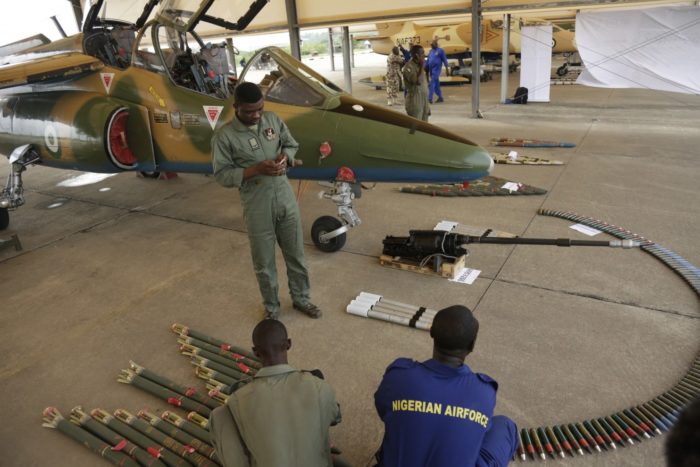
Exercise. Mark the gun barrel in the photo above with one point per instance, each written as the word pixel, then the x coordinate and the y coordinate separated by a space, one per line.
pixel 465 239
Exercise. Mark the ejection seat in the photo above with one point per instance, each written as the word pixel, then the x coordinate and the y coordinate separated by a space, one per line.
pixel 269 81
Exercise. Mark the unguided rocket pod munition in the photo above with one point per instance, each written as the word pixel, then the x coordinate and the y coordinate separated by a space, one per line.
pixel 117 441
pixel 53 419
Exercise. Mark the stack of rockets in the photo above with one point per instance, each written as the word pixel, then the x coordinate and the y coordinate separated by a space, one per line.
pixel 171 439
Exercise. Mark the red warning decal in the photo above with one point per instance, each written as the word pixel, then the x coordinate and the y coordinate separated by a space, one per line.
pixel 212 112
pixel 107 79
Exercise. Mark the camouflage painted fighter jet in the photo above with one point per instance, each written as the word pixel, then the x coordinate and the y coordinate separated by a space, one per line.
pixel 456 39
pixel 148 96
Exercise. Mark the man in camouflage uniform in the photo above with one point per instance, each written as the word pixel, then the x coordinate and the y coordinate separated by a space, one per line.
pixel 416 84
pixel 393 75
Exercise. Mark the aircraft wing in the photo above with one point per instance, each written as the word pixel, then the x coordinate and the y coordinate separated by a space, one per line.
pixel 369 38
pixel 48 67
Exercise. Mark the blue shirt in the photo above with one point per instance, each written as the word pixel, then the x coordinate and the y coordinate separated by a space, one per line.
pixel 434 415
pixel 436 58
pixel 406 54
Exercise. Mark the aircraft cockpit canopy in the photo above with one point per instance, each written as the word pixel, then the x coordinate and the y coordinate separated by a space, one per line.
pixel 181 15
pixel 188 61
pixel 285 80
pixel 109 29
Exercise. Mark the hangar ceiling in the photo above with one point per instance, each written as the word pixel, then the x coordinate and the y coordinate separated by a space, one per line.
pixel 315 14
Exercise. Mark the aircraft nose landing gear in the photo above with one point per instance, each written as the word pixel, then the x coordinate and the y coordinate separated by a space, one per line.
pixel 329 233
pixel 12 196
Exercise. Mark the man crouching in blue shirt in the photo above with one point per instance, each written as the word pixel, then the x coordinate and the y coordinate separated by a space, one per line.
pixel 439 413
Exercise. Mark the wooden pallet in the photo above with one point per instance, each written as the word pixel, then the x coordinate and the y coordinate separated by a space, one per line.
pixel 447 269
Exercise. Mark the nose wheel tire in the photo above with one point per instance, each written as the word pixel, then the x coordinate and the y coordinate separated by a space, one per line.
pixel 5 219
pixel 323 225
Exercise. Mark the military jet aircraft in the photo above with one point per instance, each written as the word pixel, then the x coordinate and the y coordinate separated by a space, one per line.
pixel 147 96
pixel 456 39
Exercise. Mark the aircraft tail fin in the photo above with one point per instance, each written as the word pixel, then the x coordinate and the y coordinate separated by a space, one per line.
pixel 23 44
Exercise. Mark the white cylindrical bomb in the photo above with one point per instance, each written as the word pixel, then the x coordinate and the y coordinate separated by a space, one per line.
pixel 397 319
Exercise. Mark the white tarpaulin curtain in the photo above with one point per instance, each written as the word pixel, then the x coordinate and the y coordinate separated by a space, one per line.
pixel 536 61
pixel 654 48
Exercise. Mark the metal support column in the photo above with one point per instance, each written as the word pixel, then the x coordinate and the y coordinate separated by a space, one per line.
pixel 331 48
pixel 352 52
pixel 505 58
pixel 230 51
pixel 346 59
pixel 293 25
pixel 476 56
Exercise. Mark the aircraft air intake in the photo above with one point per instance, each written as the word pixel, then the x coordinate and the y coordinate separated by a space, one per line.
pixel 117 145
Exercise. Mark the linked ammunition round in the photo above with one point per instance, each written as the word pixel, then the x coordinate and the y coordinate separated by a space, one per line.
pixel 604 434
pixel 521 447
pixel 538 443
pixel 546 443
pixel 563 440
pixel 555 442
pixel 572 439
pixel 589 436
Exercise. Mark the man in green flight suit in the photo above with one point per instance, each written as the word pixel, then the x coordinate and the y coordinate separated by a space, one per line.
pixel 253 153
pixel 416 85
pixel 280 418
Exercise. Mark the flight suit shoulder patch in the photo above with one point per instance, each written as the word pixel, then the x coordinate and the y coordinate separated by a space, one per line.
pixel 488 380
pixel 238 385
pixel 317 373
pixel 402 363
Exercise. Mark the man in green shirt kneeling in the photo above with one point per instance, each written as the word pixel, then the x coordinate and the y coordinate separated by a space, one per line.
pixel 280 418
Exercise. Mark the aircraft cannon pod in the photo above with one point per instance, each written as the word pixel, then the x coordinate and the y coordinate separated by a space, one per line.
pixel 427 245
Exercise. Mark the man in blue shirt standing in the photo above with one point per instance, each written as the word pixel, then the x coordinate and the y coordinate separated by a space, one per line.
pixel 405 52
pixel 439 413
pixel 436 58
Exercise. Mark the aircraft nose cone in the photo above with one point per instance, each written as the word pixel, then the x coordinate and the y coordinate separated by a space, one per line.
pixel 478 160
pixel 483 161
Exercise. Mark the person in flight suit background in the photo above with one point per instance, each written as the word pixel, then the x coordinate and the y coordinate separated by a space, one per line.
pixel 279 419
pixel 439 412
pixel 415 83
pixel 436 58
pixel 253 153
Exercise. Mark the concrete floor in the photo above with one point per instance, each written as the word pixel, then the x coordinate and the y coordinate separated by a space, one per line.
pixel 568 333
